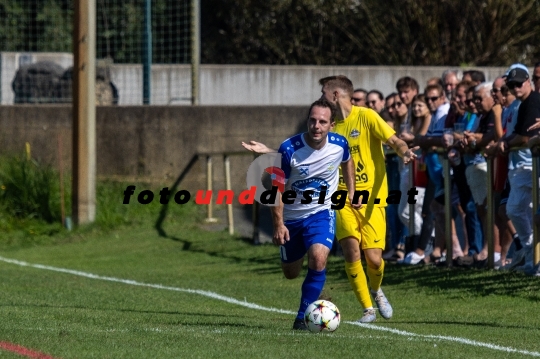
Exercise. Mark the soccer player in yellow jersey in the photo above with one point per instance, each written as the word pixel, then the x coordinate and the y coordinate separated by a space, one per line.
pixel 366 131
pixel 362 228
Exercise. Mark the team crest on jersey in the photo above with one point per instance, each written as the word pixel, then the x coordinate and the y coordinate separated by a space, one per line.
pixel 329 167
pixel 354 133
pixel 304 170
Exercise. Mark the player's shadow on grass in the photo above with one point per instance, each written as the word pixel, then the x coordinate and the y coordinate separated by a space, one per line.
pixel 164 208
pixel 458 282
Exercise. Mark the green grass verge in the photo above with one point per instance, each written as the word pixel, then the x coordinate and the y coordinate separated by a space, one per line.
pixel 69 316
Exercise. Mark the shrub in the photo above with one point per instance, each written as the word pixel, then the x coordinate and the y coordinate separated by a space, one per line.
pixel 29 189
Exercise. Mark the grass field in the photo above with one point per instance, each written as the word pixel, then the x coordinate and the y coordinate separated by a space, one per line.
pixel 135 292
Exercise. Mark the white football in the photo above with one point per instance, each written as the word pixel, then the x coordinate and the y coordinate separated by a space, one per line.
pixel 322 316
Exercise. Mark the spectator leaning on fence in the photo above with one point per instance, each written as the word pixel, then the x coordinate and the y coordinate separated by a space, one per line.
pixel 520 163
pixel 423 229
pixel 501 186
pixel 407 88
pixel 397 231
pixel 476 166
pixel 434 137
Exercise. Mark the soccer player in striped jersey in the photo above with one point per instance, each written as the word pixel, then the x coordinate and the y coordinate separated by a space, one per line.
pixel 363 227
pixel 304 220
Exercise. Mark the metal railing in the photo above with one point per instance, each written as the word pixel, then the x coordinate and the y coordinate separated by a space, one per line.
pixel 490 214
pixel 209 186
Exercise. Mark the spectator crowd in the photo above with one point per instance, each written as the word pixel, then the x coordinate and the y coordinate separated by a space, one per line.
pixel 471 121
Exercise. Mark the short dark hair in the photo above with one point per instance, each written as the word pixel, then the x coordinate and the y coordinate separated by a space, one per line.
pixel 360 90
pixel 324 104
pixel 377 92
pixel 434 87
pixel 476 75
pixel 537 64
pixel 338 81
pixel 465 84
pixel 407 82
pixel 393 94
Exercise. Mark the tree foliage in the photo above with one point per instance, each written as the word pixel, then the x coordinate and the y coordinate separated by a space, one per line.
pixel 288 32
pixel 371 32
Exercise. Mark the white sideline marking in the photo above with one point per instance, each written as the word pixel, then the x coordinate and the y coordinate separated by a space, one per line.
pixel 269 309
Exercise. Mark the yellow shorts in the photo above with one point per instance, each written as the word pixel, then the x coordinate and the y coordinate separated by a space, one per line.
pixel 367 224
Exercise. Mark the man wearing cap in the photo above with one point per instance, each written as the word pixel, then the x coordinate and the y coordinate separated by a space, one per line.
pixel 519 203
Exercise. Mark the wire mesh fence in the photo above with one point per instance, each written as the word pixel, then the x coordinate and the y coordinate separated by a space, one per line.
pixel 36 41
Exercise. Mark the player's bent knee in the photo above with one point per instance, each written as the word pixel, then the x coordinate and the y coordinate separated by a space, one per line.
pixel 373 257
pixel 351 249
pixel 291 275
pixel 292 270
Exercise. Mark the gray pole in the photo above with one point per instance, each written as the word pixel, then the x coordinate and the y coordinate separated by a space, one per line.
pixel 195 50
pixel 147 52
pixel 84 112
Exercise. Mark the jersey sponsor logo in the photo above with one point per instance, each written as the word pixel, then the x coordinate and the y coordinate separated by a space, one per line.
pixel 313 184
pixel 359 167
pixel 304 170
pixel 354 149
pixel 360 178
pixel 329 240
pixel 354 133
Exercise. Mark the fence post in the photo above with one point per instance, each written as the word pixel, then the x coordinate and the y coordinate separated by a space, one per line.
pixel 209 208
pixel 447 210
pixel 489 214
pixel 230 219
pixel 412 206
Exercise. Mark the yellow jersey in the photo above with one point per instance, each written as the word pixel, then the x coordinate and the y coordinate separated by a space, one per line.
pixel 366 131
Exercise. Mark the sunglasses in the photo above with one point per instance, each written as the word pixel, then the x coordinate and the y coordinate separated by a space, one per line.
pixel 495 90
pixel 397 104
pixel 477 98
pixel 513 85
pixel 432 99
pixel 357 99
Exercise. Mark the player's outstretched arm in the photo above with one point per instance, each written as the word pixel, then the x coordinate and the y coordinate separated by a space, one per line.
pixel 257 147
pixel 347 169
pixel 402 149
pixel 281 233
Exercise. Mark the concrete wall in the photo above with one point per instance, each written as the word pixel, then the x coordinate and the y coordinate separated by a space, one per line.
pixel 231 84
pixel 153 143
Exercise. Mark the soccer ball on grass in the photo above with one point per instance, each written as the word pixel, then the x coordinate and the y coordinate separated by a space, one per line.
pixel 322 316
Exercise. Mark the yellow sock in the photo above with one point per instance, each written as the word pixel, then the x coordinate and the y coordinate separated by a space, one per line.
pixel 358 281
pixel 375 277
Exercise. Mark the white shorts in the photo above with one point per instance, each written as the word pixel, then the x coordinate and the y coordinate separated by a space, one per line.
pixel 477 181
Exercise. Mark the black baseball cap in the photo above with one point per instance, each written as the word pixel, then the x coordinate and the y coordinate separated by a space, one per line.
pixel 517 75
